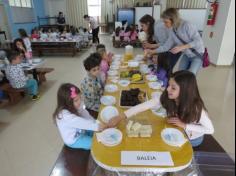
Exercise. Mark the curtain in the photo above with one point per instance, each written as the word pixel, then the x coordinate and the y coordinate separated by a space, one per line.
pixel 76 9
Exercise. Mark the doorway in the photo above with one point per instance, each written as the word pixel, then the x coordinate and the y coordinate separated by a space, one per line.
pixel 4 24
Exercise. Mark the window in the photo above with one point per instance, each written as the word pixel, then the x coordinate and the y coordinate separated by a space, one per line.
pixel 94 8
pixel 21 3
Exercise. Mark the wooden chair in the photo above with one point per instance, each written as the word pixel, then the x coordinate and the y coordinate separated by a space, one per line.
pixel 14 95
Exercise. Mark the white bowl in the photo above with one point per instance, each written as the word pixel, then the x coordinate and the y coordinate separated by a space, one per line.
pixel 173 137
pixel 111 137
pixel 108 100
pixel 151 78
pixel 115 63
pixel 124 83
pixel 111 88
pixel 161 112
pixel 112 73
pixel 114 67
pixel 108 113
pixel 133 64
pixel 154 85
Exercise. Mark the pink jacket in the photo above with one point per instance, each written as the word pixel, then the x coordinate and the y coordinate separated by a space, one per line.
pixel 104 67
pixel 127 36
pixel 134 36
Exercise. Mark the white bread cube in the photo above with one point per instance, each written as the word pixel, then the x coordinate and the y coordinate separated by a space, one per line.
pixel 136 127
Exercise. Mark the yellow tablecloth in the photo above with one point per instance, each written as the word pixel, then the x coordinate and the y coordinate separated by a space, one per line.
pixel 110 157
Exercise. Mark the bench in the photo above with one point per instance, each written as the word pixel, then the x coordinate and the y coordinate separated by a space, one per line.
pixel 74 162
pixel 41 73
pixel 14 95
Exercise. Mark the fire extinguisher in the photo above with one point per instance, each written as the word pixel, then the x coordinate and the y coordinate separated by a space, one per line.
pixel 212 14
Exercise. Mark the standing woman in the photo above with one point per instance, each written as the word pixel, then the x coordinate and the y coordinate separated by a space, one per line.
pixel 94 26
pixel 158 32
pixel 184 37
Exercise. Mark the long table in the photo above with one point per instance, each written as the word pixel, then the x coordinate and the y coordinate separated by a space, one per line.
pixel 109 158
pixel 54 46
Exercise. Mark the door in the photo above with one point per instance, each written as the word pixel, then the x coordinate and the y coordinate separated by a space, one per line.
pixel 4 23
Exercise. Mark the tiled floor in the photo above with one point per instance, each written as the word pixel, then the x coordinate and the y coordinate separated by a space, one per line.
pixel 30 143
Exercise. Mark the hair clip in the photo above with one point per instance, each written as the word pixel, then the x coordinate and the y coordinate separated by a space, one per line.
pixel 73 93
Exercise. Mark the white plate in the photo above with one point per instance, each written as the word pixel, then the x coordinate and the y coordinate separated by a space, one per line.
pixel 111 137
pixel 124 83
pixel 108 100
pixel 133 64
pixel 151 78
pixel 111 88
pixel 37 60
pixel 154 85
pixel 161 112
pixel 112 73
pixel 173 137
pixel 108 113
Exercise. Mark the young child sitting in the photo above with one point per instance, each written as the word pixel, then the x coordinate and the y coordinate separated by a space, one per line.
pixel 104 66
pixel 117 34
pixel 133 35
pixel 19 46
pixel 122 34
pixel 127 35
pixel 16 76
pixel 27 43
pixel 44 36
pixel 109 55
pixel 75 124
pixel 92 86
pixel 161 68
pixel 54 34
pixel 35 34
pixel 184 106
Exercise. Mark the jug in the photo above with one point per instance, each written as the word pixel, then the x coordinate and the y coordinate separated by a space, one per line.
pixel 129 52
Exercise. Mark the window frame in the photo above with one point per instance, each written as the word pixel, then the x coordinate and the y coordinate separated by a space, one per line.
pixel 12 3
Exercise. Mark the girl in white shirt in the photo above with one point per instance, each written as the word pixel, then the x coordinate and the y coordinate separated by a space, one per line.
pixel 75 124
pixel 184 106
pixel 27 43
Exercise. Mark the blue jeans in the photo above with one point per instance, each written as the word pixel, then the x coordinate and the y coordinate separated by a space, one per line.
pixel 83 142
pixel 197 142
pixel 31 86
pixel 192 64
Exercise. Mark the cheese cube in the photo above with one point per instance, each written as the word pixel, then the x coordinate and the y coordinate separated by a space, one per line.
pixel 129 125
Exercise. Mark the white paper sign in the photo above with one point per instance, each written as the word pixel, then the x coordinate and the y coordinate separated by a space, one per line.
pixel 139 158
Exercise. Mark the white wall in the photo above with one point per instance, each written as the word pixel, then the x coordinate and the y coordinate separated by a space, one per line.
pixel 52 7
pixel 195 16
pixel 222 46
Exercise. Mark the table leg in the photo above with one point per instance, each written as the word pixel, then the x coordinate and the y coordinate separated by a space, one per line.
pixel 35 76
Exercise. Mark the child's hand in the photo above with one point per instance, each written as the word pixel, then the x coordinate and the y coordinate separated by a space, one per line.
pixel 115 121
pixel 177 122
pixel 102 127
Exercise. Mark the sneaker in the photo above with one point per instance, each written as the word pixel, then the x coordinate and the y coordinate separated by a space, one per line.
pixel 35 97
